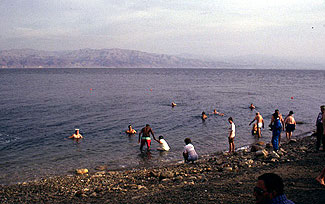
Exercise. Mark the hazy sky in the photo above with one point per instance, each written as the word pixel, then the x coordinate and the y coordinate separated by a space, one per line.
pixel 206 27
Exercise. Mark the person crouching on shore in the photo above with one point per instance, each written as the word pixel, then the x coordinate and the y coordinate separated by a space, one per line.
pixel 163 146
pixel 76 135
pixel 231 135
pixel 189 153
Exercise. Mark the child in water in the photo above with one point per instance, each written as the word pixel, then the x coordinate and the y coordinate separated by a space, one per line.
pixel 163 146
pixel 254 130
pixel 76 135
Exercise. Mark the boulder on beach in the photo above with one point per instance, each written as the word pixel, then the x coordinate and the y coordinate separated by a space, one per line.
pixel 81 171
pixel 261 153
pixel 256 148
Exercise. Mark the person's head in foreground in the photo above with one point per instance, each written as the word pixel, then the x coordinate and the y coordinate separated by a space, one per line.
pixel 269 186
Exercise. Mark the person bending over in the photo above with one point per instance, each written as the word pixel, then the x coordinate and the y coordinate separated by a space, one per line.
pixel 163 145
pixel 189 153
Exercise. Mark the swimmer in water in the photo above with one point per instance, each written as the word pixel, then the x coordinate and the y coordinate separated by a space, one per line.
pixel 173 104
pixel 252 106
pixel 204 116
pixel 130 130
pixel 217 113
pixel 76 135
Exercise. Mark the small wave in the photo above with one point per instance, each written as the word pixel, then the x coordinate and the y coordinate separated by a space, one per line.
pixel 6 139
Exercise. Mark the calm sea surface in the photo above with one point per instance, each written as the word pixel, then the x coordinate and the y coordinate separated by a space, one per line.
pixel 40 108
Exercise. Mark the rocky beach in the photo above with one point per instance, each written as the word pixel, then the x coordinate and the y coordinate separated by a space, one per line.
pixel 218 178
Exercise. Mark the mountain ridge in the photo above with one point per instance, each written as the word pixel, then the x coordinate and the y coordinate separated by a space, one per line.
pixel 99 58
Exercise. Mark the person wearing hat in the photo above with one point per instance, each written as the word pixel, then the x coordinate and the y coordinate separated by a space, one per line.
pixel 76 135
pixel 290 124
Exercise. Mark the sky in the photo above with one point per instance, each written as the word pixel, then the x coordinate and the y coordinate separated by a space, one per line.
pixel 284 28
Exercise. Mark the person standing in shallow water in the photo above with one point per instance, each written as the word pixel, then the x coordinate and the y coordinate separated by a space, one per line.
pixel 231 136
pixel 290 123
pixel 145 138
pixel 259 122
pixel 277 124
pixel 76 135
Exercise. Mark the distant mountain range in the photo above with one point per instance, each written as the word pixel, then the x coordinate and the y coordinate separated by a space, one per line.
pixel 101 58
pixel 122 58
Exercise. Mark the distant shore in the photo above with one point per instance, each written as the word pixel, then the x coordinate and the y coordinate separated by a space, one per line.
pixel 221 178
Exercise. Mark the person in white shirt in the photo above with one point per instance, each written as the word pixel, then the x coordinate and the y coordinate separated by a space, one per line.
pixel 163 146
pixel 189 153
pixel 231 135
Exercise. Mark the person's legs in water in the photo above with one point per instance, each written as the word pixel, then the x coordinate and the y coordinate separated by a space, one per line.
pixel 142 144
pixel 148 144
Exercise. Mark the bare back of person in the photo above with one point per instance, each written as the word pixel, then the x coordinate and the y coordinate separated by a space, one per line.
pixel 146 131
pixel 259 119
pixel 290 120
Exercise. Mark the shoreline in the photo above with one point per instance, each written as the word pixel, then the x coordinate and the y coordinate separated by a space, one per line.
pixel 71 172
pixel 219 177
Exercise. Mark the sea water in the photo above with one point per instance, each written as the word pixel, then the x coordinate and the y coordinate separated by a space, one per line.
pixel 40 108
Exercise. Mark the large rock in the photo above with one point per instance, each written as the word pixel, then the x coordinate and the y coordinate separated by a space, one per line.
pixel 269 146
pixel 101 168
pixel 166 174
pixel 81 171
pixel 262 152
pixel 260 143
pixel 256 148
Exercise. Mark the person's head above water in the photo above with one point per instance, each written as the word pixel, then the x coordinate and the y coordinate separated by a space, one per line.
pixel 187 141
pixel 203 113
pixel 76 131
pixel 161 137
pixel 147 125
pixel 291 113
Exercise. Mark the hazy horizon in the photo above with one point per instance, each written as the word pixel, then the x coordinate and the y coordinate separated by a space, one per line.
pixel 287 29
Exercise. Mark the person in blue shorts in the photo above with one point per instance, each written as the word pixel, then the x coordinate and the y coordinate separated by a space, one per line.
pixel 277 124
